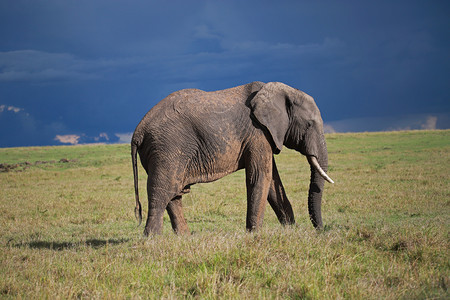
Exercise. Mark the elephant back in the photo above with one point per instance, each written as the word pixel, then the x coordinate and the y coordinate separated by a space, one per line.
pixel 198 102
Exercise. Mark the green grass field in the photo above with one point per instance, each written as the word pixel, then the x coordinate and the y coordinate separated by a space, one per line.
pixel 67 229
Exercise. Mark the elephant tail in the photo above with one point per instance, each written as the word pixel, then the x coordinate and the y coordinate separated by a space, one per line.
pixel 138 208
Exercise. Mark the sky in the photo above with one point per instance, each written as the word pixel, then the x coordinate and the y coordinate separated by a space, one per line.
pixel 74 72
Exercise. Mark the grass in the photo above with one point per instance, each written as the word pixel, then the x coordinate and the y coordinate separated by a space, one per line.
pixel 67 229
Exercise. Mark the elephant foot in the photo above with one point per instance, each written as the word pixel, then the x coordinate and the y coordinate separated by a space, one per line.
pixel 154 224
pixel 182 231
pixel 175 211
pixel 287 222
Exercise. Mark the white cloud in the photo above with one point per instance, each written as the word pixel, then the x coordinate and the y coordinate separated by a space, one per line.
pixel 14 109
pixel 68 139
pixel 124 137
pixel 102 136
pixel 75 139
pixel 430 123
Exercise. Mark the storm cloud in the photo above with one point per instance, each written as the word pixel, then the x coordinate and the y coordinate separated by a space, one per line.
pixel 83 68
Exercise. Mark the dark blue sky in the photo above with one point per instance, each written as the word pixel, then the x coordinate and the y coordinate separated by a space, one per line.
pixel 87 71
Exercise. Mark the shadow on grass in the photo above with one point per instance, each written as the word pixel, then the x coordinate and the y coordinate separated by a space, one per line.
pixel 58 246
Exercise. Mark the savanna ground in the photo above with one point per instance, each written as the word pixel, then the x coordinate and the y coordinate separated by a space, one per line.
pixel 67 228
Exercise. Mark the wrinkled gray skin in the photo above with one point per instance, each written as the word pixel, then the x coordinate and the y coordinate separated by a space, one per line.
pixel 193 136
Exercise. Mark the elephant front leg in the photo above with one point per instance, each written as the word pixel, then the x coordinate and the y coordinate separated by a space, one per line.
pixel 258 178
pixel 278 200
pixel 175 211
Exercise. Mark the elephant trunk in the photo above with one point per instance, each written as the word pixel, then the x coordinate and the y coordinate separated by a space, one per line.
pixel 319 167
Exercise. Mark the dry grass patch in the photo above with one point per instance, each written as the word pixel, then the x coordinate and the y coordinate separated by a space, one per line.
pixel 67 230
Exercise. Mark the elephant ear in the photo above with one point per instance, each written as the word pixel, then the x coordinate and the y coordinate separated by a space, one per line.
pixel 269 109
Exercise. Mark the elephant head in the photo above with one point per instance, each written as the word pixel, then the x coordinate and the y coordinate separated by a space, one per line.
pixel 291 118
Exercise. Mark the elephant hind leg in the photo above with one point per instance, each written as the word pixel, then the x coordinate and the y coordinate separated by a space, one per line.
pixel 158 201
pixel 154 224
pixel 175 211
pixel 164 193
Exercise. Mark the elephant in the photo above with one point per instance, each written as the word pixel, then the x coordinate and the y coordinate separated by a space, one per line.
pixel 193 136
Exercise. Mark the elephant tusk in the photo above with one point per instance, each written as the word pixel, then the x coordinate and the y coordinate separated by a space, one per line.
pixel 314 163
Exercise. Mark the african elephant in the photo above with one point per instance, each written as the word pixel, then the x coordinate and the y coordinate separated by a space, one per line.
pixel 193 136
